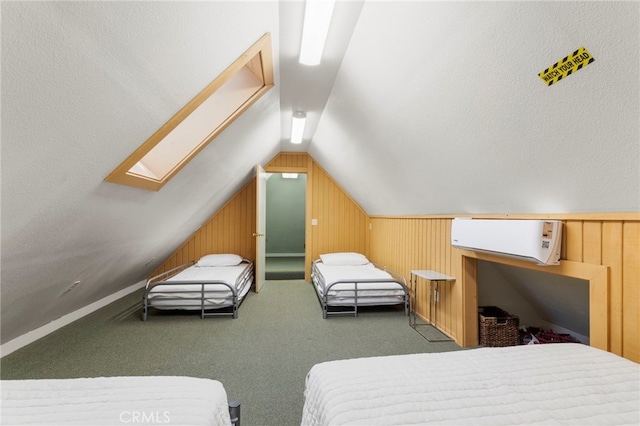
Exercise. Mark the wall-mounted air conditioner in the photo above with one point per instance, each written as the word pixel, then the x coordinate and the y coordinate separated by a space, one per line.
pixel 531 240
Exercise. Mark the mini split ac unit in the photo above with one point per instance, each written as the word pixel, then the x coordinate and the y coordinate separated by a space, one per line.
pixel 531 240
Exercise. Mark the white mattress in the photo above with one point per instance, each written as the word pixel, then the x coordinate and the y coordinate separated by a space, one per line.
pixel 115 401
pixel 343 292
pixel 566 383
pixel 216 295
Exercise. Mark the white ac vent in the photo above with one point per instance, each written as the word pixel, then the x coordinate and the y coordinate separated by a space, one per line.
pixel 536 241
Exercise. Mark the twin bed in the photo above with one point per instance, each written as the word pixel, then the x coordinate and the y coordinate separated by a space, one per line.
pixel 564 383
pixel 174 400
pixel 345 281
pixel 215 285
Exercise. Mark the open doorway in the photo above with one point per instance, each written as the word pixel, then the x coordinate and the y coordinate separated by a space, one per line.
pixel 285 226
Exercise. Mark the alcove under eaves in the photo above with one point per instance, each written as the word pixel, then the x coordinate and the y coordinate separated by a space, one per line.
pixel 595 276
pixel 539 299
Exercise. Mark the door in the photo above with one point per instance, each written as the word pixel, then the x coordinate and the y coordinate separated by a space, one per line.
pixel 261 220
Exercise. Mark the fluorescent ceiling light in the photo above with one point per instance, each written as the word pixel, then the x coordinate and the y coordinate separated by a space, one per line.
pixel 317 17
pixel 297 126
pixel 289 176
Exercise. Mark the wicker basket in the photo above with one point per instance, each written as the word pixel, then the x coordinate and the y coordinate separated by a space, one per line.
pixel 497 327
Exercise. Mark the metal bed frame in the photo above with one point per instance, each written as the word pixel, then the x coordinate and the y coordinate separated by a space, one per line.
pixel 202 294
pixel 317 280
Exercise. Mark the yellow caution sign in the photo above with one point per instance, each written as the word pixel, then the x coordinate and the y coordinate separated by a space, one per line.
pixel 564 68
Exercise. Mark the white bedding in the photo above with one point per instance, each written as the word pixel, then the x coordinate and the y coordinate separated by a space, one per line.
pixel 535 384
pixel 216 295
pixel 115 401
pixel 343 292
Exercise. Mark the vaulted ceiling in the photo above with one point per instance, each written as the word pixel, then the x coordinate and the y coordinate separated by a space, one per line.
pixel 417 108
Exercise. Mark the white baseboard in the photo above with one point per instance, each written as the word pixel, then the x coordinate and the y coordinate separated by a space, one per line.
pixel 284 254
pixel 38 333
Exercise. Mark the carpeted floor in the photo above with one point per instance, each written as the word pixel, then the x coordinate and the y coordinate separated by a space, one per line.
pixel 262 357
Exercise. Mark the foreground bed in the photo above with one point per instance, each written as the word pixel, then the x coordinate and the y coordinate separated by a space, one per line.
pixel 344 281
pixel 115 401
pixel 565 383
pixel 215 282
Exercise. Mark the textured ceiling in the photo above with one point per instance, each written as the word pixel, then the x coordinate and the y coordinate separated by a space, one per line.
pixel 418 108
pixel 438 108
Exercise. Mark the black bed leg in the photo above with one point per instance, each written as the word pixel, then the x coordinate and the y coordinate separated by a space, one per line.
pixel 234 413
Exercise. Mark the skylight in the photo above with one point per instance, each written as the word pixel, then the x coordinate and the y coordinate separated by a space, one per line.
pixel 200 121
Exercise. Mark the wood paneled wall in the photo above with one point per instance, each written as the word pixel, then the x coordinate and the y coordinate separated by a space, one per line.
pixel 405 244
pixel 285 160
pixel 230 230
pixel 341 223
pixel 611 240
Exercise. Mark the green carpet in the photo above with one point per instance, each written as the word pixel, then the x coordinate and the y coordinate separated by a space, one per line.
pixel 262 357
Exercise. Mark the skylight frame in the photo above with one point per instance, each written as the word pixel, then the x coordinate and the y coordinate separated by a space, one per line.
pixel 258 59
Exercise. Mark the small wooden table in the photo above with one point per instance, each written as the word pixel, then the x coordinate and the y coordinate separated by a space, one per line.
pixel 431 277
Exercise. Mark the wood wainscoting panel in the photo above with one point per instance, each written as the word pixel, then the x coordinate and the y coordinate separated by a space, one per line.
pixel 405 244
pixel 285 160
pixel 612 252
pixel 229 230
pixel 631 291
pixel 609 240
pixel 341 222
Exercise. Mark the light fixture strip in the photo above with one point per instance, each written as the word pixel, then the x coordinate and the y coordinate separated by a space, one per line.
pixel 297 126
pixel 317 17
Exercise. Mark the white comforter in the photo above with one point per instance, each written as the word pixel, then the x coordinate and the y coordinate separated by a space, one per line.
pixel 536 384
pixel 215 294
pixel 115 401
pixel 333 274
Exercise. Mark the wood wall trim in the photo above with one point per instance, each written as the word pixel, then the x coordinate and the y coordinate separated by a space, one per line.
pixel 630 291
pixel 622 216
pixel 469 335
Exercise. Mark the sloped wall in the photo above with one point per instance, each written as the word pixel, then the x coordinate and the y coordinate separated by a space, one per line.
pixel 612 240
pixel 228 231
pixel 341 223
